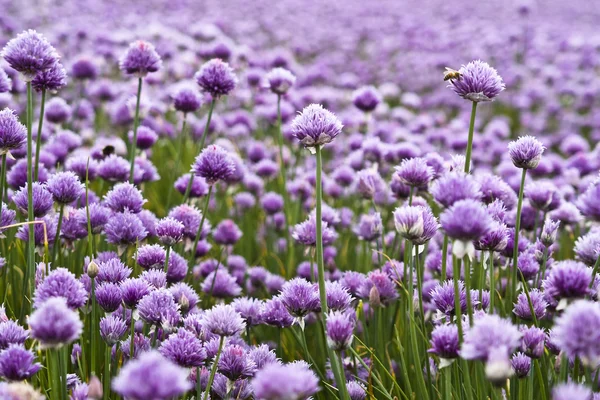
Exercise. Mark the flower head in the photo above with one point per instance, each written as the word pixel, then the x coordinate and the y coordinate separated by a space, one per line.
pixel 65 187
pixel 340 329
pixel 29 53
pixel 17 363
pixel 526 152
pixel 140 59
pixel 293 381
pixel 13 134
pixel 577 332
pixel 316 126
pixel 54 323
pixel 214 164
pixel 223 320
pixel 477 82
pixel 61 283
pixel 366 98
pixel 280 80
pixel 216 78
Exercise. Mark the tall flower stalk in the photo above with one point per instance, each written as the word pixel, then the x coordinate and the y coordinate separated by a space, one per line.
pixel 136 123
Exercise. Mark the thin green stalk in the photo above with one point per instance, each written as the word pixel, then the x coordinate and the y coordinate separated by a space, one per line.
pixel 444 258
pixel 136 123
pixel 93 341
pixel 28 282
pixel 199 233
pixel 182 137
pixel 106 378
pixel 56 244
pixel 470 140
pixel 468 289
pixel 62 359
pixel 513 290
pixel 90 237
pixel 540 379
pixel 2 181
pixel 166 267
pixel 213 370
pixel 38 139
pixel 594 271
pixel 447 373
pixel 131 342
pixel 198 383
pixel 202 140
pixel 492 282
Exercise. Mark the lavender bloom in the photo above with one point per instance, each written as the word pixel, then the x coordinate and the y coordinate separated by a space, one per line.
pixel 223 320
pixel 221 284
pixel 151 376
pixel 549 232
pixel 112 270
pixel 29 54
pixel 250 309
pixel 6 83
pixel 577 332
pixel 214 164
pixel 316 126
pixel 42 200
pixel 356 390
pixel 140 59
pixel 496 239
pixel 306 233
pixel 521 364
pixel 61 283
pixel 338 297
pixel 280 80
pixel 158 307
pixel 444 342
pixel 57 110
pixel 64 187
pixel 369 227
pixel 51 79
pixel 151 256
pixel 141 344
pixel 112 329
pixel 199 186
pixel 184 349
pixel 227 233
pixel 290 381
pixel 133 290
pixel 114 169
pixel 522 309
pixel 300 297
pixel 84 68
pixel 378 286
pixel 235 363
pixel 169 231
pixel 567 280
pixel 187 100
pixel 477 81
pixel 108 296
pixel 526 152
pixel 366 98
pixel 13 134
pixel 455 186
pixel 38 231
pixel 185 296
pixel 415 223
pixel 588 202
pixel 216 78
pixel 155 278
pixel 124 197
pixel 146 137
pixel 532 342
pixel 528 265
pixel 54 324
pixel 272 203
pixel 465 221
pixel 442 297
pixel 587 248
pixel 17 363
pixel 262 356
pixel 570 391
pixel 12 333
pixel 275 313
pixel 124 229
pixel 340 328
pixel 415 172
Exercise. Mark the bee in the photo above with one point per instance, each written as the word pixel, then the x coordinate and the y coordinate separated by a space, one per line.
pixel 450 74
pixel 108 150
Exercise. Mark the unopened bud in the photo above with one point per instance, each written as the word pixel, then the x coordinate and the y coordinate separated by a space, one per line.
pixel 93 269
pixel 374 299
pixel 94 388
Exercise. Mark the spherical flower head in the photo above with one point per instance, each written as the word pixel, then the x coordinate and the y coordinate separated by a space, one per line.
pixel 17 363
pixel 13 134
pixel 29 54
pixel 112 328
pixel 187 100
pixel 587 248
pixel 112 270
pixel 272 202
pixel 61 283
pixel 39 233
pixel 190 217
pixel 184 349
pixel 338 296
pixel 53 79
pixel 235 363
pixel 415 172
pixel 158 307
pixel 315 126
pixel 214 164
pixel 496 239
pixel 108 296
pixel 216 78
pixel 588 201
pixel 140 59
pixel 221 284
pixel 488 334
pixel 577 332
pixel 444 341
pixel 442 297
pixel 293 381
pixel 124 197
pixel 477 82
pixel 114 169
pixel 369 226
pixel 340 329
pixel 223 320
pixel 455 186
pixel 465 221
pixel 567 279
pixel 366 98
pixel 522 309
pixel 521 364
pixel 532 342
pixel 378 286
pixel 571 391
pixel 369 183
pixel 185 296
pixel 6 83
pixel 415 223
pixel 12 333
pixel 169 231
pixel 124 229
pixel 57 110
pixel 133 290
pixel 249 308
pixel 227 233
pixel 262 356
pixel 42 200
pixel 300 297
pixel 526 152
pixel 65 187
pixel 306 232
pixel 151 376
pixel 146 137
pixel 84 68
pixel 274 313
pixel 54 324
pixel 280 80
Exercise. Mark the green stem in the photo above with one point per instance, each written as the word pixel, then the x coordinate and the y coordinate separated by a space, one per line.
pixel 319 229
pixel 470 140
pixel 213 370
pixel 106 380
pixel 93 342
pixel 28 283
pixel 136 123
pixel 492 283
pixel 38 139
pixel 2 182
pixel 444 258
pixel 182 137
pixel 510 298
pixel 167 259
pixel 199 233
pixel 468 289
pixel 131 342
pixel 56 245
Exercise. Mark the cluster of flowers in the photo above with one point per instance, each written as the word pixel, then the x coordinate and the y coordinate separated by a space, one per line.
pixel 189 235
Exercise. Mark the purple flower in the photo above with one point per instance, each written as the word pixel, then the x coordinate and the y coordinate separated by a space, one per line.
pixel 444 341
pixel 184 349
pixel 477 81
pixel 235 363
pixel 415 172
pixel 17 363
pixel 587 248
pixel 274 313
pixel 443 298
pixel 146 137
pixel 549 232
pixel 199 186
pixel 356 390
pixel 221 284
pixel 572 391
pixel 108 296
pixel 290 381
pixel 151 256
pixel 216 78
pixel 151 376
pixel 532 343
pixel 155 278
pixel 29 53
pixel 112 329
pixel 38 231
pixel 57 110
pixel 227 233
pixel 124 229
pixel 568 279
pixel 6 83
pixel 187 100
pixel 415 223
pixel 316 126
pixel 577 332
pixel 340 329
pixel 521 364
pixel 496 239
pixel 272 203
pixel 54 323
pixel 262 356
pixel 51 79
pixel 112 270
pixel 12 333
pixel 526 152
pixel 84 68
pixel 141 344
pixel 378 286
pixel 338 296
pixel 522 309
pixel 169 231
pixel 300 297
pixel 223 320
pixel 114 169
pixel 140 59
pixel 13 134
pixel 133 290
pixel 124 197
pixel 366 98
pixel 61 283
pixel 190 217
pixel 42 200
pixel 249 308
pixel 588 201
pixel 306 233
pixel 280 80
pixel 158 307
pixel 214 164
pixel 369 226
pixel 64 187
pixel 453 187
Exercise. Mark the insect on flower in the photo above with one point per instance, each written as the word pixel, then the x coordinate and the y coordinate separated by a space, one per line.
pixel 450 74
